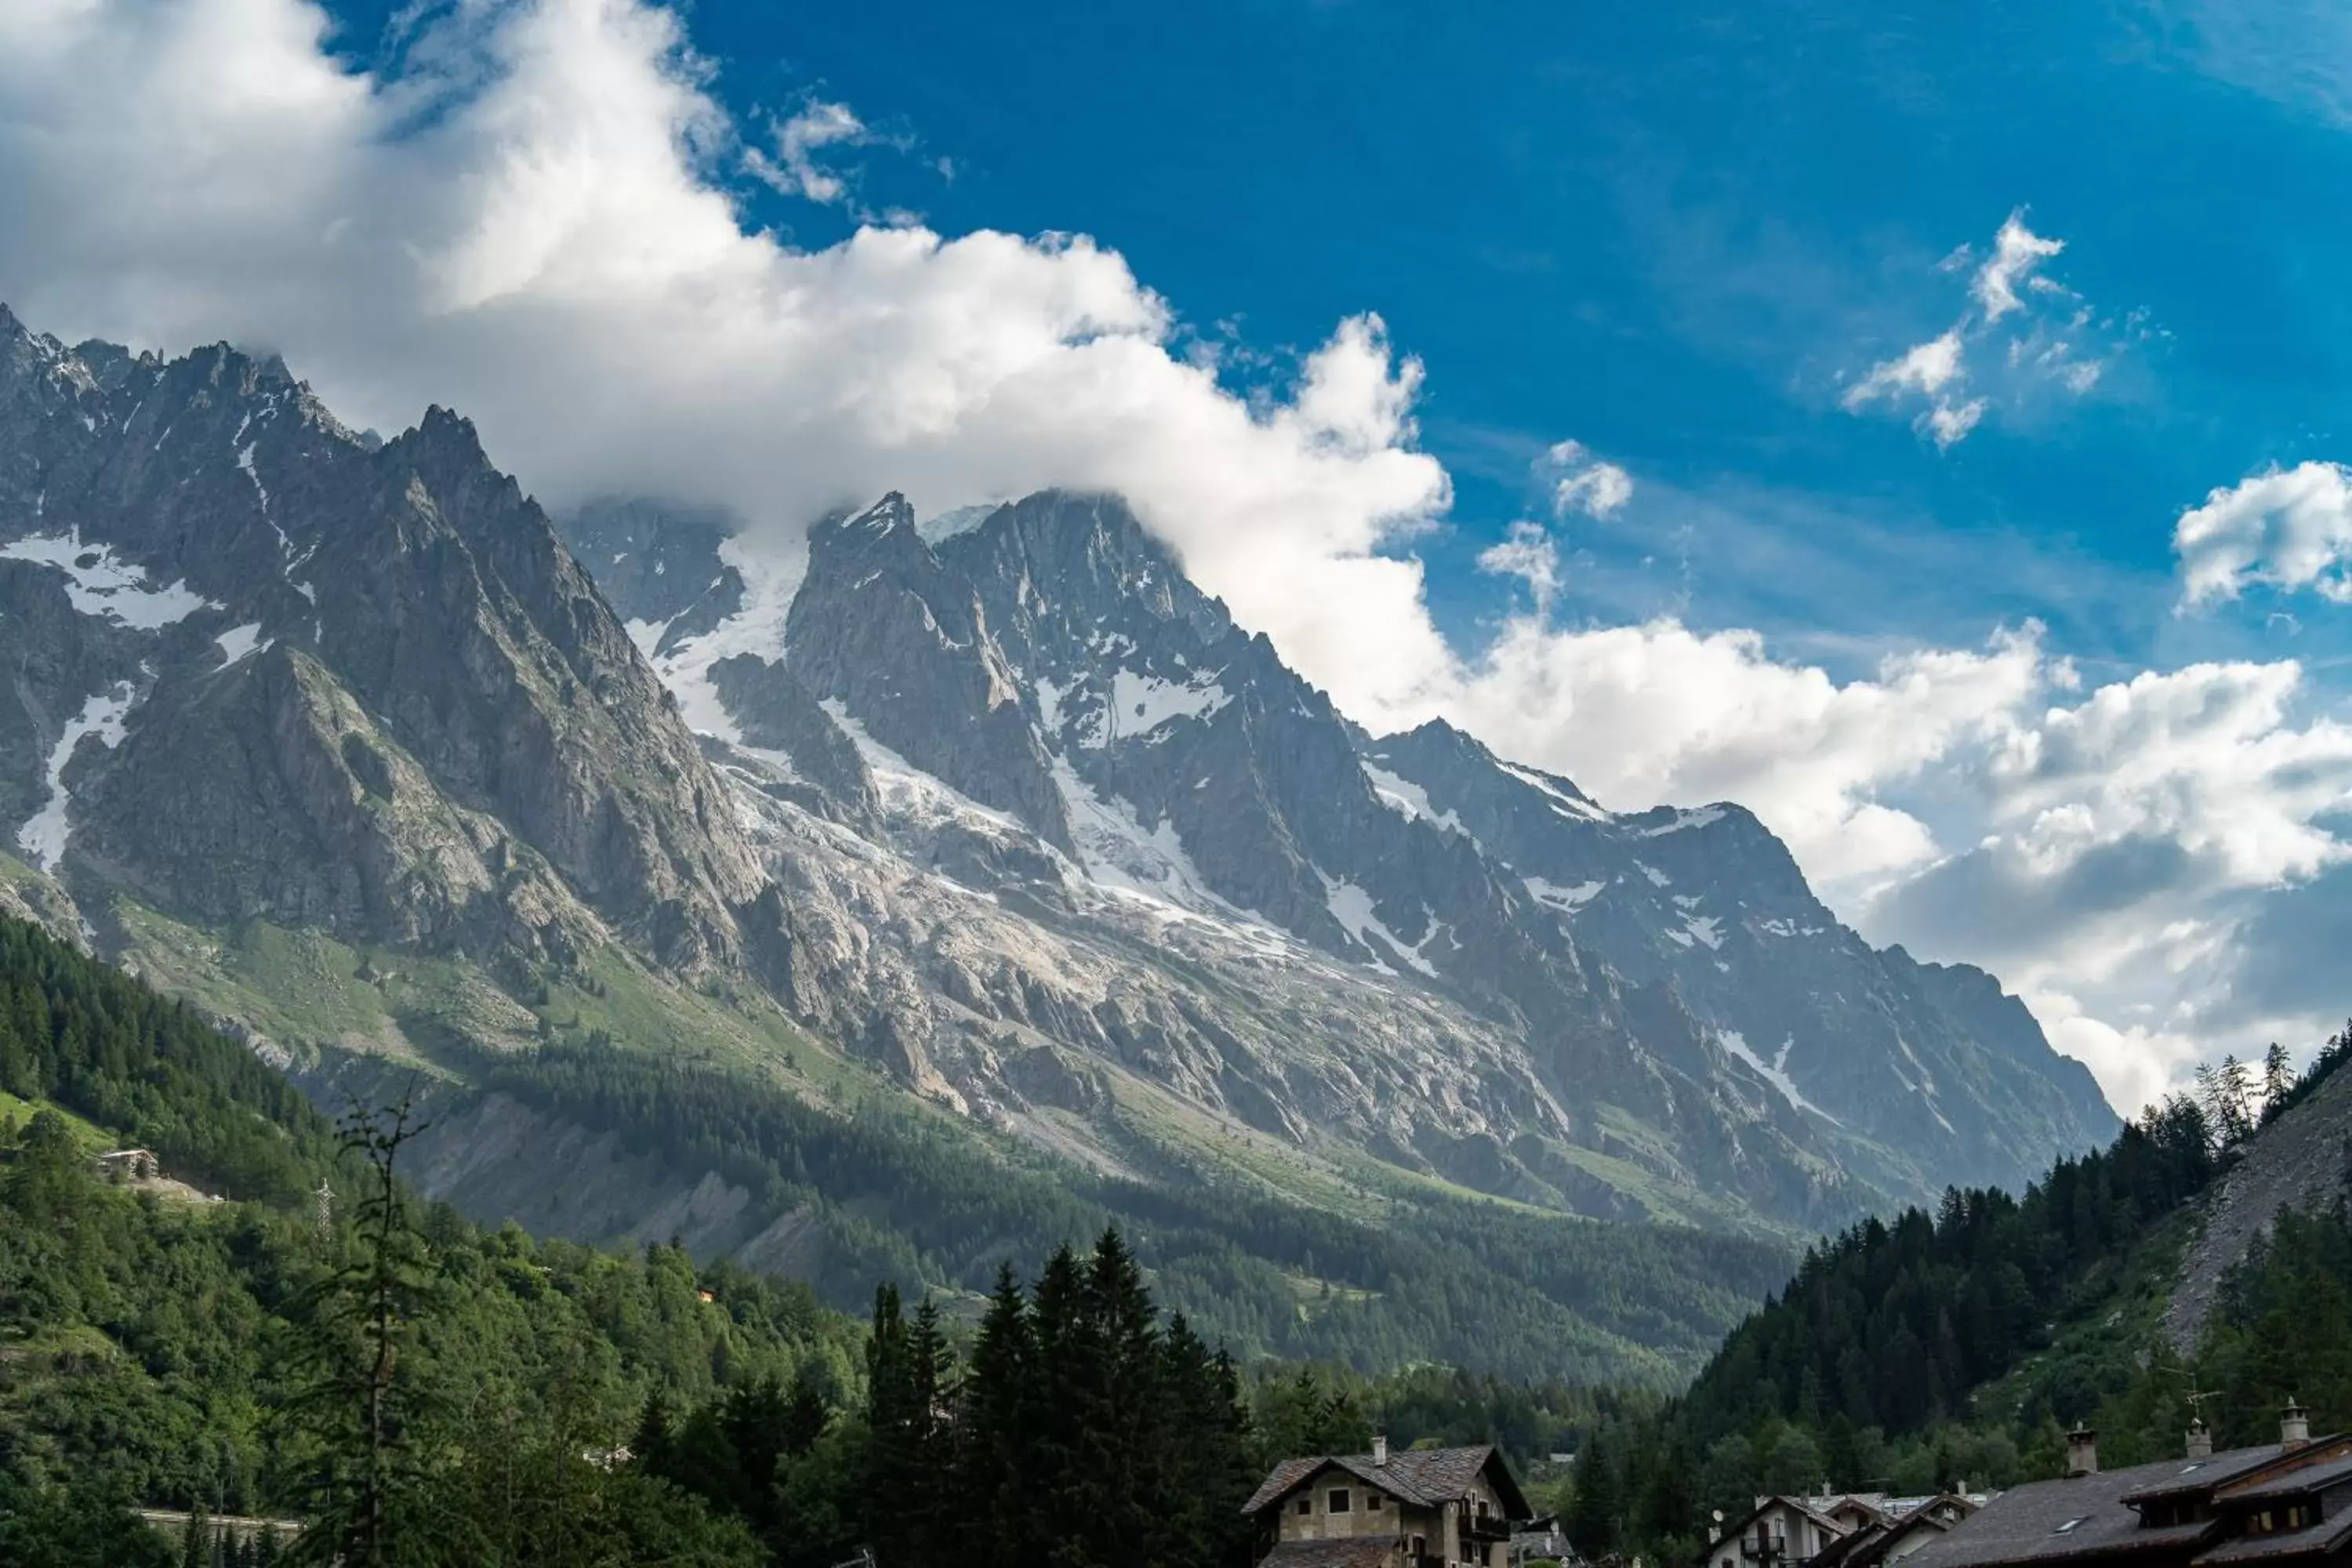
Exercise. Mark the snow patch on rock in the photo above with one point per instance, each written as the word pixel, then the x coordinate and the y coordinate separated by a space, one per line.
pixel 1700 817
pixel 101 582
pixel 1410 800
pixel 1140 704
pixel 44 837
pixel 770 582
pixel 1567 900
pixel 1772 1072
pixel 1564 802
pixel 240 643
pixel 1351 906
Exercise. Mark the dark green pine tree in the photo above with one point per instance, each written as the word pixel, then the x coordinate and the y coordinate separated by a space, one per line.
pixel 754 1417
pixel 807 1413
pixel 1066 1352
pixel 363 1394
pixel 651 1442
pixel 1208 1451
pixel 1123 1495
pixel 890 1421
pixel 1594 1515
pixel 699 1458
pixel 995 1452
pixel 908 1445
pixel 935 1520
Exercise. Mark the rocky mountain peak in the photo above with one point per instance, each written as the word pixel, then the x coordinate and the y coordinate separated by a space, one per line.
pixel 1016 815
pixel 898 639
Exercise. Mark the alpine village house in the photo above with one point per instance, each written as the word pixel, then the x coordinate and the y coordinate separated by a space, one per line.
pixel 1423 1508
pixel 1855 1530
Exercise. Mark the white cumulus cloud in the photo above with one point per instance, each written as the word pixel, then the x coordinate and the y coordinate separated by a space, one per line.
pixel 2017 253
pixel 2287 529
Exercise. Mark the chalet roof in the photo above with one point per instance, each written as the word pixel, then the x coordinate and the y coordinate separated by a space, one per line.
pixel 2263 1487
pixel 1421 1477
pixel 2323 1537
pixel 2048 1521
pixel 1881 1542
pixel 1363 1551
pixel 2190 1476
pixel 1850 1545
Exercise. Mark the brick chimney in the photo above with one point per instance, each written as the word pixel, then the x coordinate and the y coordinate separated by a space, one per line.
pixel 2200 1440
pixel 2081 1452
pixel 1380 1451
pixel 2294 1426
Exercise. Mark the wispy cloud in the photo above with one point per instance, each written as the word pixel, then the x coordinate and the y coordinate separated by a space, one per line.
pixel 793 170
pixel 2019 329
pixel 1582 482
pixel 1527 553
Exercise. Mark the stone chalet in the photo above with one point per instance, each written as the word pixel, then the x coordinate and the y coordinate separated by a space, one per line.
pixel 130 1165
pixel 2287 1503
pixel 1853 1530
pixel 1432 1508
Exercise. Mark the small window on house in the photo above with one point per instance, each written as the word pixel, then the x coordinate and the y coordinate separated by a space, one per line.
pixel 1307 1505
pixel 1373 1502
pixel 2068 1528
pixel 1339 1500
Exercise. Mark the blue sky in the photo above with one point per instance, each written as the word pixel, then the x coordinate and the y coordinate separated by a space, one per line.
pixel 1921 423
pixel 1670 230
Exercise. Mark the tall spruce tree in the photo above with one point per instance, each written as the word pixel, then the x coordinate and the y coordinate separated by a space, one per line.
pixel 934 1518
pixel 365 1401
pixel 997 1430
pixel 1122 1407
pixel 1067 1353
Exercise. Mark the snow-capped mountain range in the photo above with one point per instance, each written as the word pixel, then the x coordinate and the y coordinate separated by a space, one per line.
pixel 997 806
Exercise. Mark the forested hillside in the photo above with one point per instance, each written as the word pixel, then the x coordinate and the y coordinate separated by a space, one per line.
pixel 1914 1353
pixel 548 1404
pixel 162 1349
pixel 920 1202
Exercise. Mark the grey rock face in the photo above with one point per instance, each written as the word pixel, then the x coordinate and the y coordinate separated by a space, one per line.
pixel 207 512
pixel 2301 1160
pixel 813 760
pixel 1927 1073
pixel 658 564
pixel 1668 963
pixel 882 626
